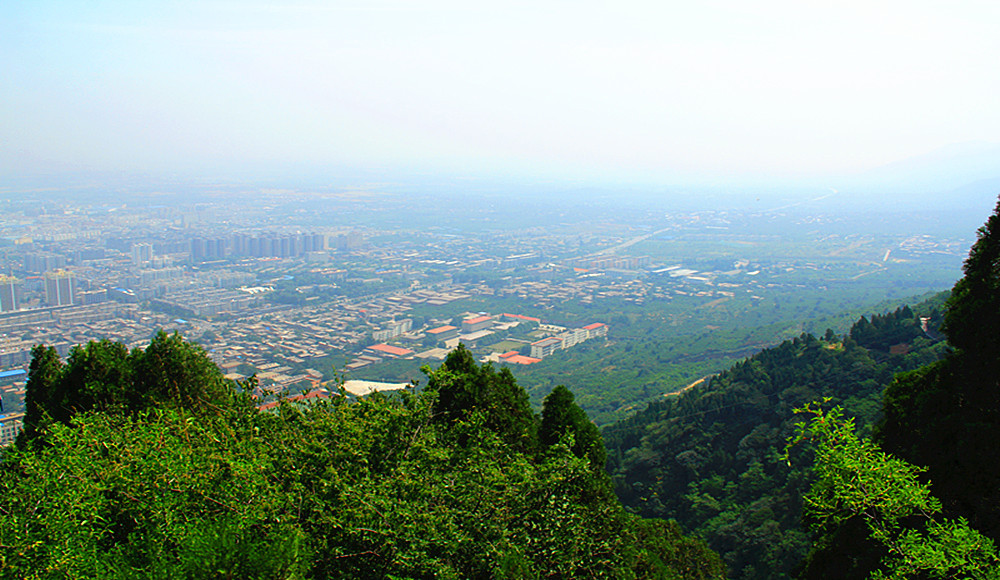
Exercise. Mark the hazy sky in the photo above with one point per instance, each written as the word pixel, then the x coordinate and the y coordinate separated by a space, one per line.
pixel 657 89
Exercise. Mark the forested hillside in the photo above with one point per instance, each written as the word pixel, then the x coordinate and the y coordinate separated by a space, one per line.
pixel 149 464
pixel 712 457
pixel 943 418
pixel 904 426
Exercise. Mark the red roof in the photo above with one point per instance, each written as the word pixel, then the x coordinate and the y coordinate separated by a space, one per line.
pixel 441 329
pixel 522 360
pixel 395 350
pixel 594 325
pixel 509 354
pixel 294 399
pixel 477 320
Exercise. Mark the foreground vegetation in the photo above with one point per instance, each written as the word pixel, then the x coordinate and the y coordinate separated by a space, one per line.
pixel 149 464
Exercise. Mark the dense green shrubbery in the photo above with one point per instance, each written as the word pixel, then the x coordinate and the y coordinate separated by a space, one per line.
pixel 149 464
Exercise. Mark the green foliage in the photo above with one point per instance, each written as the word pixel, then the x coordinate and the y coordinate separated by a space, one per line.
pixel 160 494
pixel 711 457
pixel 564 420
pixel 854 478
pixel 946 416
pixel 382 487
pixel 973 314
pixel 105 376
pixel 463 387
pixel 887 330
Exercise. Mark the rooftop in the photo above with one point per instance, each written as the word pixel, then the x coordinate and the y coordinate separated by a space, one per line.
pixel 441 329
pixel 388 349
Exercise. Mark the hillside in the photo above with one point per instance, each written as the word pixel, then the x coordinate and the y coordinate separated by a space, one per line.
pixel 711 457
pixel 942 418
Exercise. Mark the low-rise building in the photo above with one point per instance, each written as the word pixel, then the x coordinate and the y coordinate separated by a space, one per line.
pixel 543 348
pixel 10 425
pixel 390 350
pixel 596 329
pixel 476 324
pixel 446 332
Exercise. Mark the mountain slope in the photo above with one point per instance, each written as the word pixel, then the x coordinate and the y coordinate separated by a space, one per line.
pixel 710 458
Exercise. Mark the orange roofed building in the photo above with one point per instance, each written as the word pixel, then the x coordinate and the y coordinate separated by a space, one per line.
pixel 445 332
pixel 390 350
pixel 514 357
pixel 596 329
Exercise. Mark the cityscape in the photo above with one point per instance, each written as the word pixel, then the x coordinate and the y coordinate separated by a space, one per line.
pixel 304 307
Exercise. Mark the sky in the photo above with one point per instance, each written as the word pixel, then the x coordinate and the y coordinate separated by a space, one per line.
pixel 657 91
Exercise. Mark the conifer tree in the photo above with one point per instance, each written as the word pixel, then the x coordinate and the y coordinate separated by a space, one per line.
pixel 561 416
pixel 464 388
pixel 973 316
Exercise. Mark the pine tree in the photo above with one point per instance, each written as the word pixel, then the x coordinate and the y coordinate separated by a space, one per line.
pixel 561 416
pixel 947 415
pixel 973 316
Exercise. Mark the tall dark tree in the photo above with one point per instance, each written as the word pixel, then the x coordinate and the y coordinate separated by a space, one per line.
pixel 973 316
pixel 43 374
pixel 946 416
pixel 97 375
pixel 561 416
pixel 463 388
pixel 105 376
pixel 179 372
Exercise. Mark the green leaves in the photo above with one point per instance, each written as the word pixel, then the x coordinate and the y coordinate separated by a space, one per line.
pixel 105 376
pixel 973 313
pixel 201 485
pixel 563 419
pixel 856 479
pixel 156 495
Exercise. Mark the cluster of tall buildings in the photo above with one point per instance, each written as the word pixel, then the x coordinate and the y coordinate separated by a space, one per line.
pixel 60 290
pixel 271 245
pixel 10 293
pixel 39 262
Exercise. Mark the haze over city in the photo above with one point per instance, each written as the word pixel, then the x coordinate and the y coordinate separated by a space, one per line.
pixel 708 93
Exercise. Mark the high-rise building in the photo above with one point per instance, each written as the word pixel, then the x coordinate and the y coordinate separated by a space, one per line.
pixel 59 288
pixel 350 241
pixel 142 254
pixel 43 261
pixel 10 293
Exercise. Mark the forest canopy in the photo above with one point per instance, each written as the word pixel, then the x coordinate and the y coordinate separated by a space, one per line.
pixel 150 464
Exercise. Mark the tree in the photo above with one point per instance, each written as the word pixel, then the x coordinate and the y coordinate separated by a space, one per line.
pixel 103 375
pixel 379 487
pixel 43 374
pixel 856 479
pixel 172 370
pixel 464 388
pixel 973 315
pixel 946 416
pixel 562 417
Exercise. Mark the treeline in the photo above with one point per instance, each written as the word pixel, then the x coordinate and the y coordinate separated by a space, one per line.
pixel 148 463
pixel 712 457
